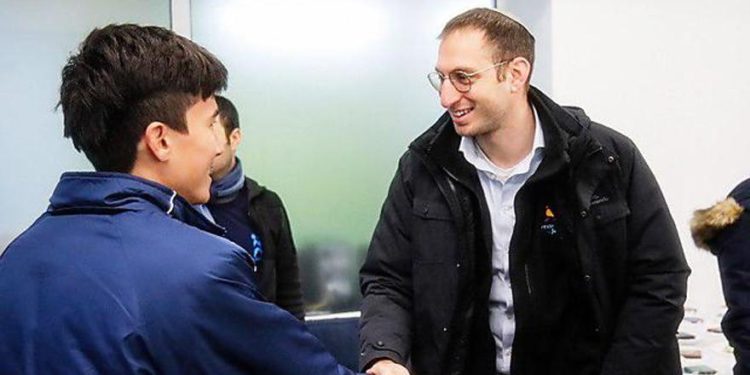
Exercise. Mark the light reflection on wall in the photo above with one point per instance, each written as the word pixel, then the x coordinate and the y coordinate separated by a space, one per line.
pixel 290 29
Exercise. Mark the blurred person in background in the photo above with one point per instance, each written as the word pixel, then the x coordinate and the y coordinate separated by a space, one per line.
pixel 724 230
pixel 254 218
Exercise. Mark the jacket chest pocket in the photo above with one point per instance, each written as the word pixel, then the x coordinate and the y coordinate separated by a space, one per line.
pixel 607 204
pixel 609 221
pixel 608 212
pixel 434 232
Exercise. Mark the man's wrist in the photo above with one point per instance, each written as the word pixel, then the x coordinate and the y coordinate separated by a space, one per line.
pixel 380 360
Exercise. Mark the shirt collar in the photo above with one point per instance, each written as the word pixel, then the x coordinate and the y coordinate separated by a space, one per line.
pixel 476 157
pixel 538 133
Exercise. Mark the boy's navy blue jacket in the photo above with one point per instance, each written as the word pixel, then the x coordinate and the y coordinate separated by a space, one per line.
pixel 121 276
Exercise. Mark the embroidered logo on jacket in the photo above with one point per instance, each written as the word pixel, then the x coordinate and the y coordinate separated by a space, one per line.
pixel 549 225
pixel 257 252
pixel 598 199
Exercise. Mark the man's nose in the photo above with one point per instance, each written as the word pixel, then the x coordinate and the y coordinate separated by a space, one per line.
pixel 448 94
pixel 217 143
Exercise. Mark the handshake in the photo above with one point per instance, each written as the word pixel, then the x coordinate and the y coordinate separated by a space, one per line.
pixel 387 367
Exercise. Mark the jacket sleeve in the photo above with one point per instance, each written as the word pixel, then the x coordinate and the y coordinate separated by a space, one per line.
pixel 385 281
pixel 733 249
pixel 644 339
pixel 288 288
pixel 231 331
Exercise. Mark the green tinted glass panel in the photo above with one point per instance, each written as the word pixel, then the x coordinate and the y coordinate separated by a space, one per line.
pixel 330 93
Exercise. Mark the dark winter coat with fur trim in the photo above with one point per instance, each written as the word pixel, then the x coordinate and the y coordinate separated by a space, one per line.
pixel 724 229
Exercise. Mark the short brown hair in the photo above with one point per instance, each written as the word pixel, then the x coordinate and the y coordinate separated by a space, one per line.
pixel 509 38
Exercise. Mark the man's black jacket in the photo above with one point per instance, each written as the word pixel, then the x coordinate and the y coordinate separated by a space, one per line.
pixel 598 274
pixel 278 274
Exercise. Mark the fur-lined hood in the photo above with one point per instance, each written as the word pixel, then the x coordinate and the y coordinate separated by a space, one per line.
pixel 708 222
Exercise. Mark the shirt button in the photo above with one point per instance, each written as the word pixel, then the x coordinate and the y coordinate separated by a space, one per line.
pixel 380 343
pixel 458 265
pixel 445 329
pixel 610 159
pixel 587 278
pixel 584 213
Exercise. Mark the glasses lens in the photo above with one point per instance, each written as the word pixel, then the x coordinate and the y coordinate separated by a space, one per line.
pixel 461 81
pixel 435 80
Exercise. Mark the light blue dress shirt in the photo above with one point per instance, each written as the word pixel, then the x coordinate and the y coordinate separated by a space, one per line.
pixel 500 187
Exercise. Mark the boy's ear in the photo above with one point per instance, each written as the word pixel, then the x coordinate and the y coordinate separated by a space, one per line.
pixel 158 140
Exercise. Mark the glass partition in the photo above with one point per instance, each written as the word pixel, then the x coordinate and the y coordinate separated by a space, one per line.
pixel 36 38
pixel 330 93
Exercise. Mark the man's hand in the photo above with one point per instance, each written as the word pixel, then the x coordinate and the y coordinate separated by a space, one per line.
pixel 387 367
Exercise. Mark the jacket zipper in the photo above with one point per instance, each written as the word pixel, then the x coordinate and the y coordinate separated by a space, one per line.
pixel 528 280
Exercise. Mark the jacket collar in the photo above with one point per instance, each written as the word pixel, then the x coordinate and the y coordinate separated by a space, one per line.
pixel 254 189
pixel 110 192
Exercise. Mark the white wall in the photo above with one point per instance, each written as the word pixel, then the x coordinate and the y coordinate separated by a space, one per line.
pixel 535 15
pixel 672 75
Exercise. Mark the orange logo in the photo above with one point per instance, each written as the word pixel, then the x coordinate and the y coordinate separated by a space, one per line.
pixel 548 213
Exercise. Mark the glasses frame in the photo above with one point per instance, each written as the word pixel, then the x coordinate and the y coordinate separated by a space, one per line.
pixel 432 76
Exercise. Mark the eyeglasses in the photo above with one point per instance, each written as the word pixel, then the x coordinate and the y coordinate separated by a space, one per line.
pixel 460 80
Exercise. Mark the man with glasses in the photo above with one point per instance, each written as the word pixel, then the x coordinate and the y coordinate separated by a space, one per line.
pixel 518 236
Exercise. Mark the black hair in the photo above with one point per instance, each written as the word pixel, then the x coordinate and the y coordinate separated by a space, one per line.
pixel 228 115
pixel 124 77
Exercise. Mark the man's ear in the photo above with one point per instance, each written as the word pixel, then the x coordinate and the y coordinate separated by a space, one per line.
pixel 235 137
pixel 518 72
pixel 158 141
